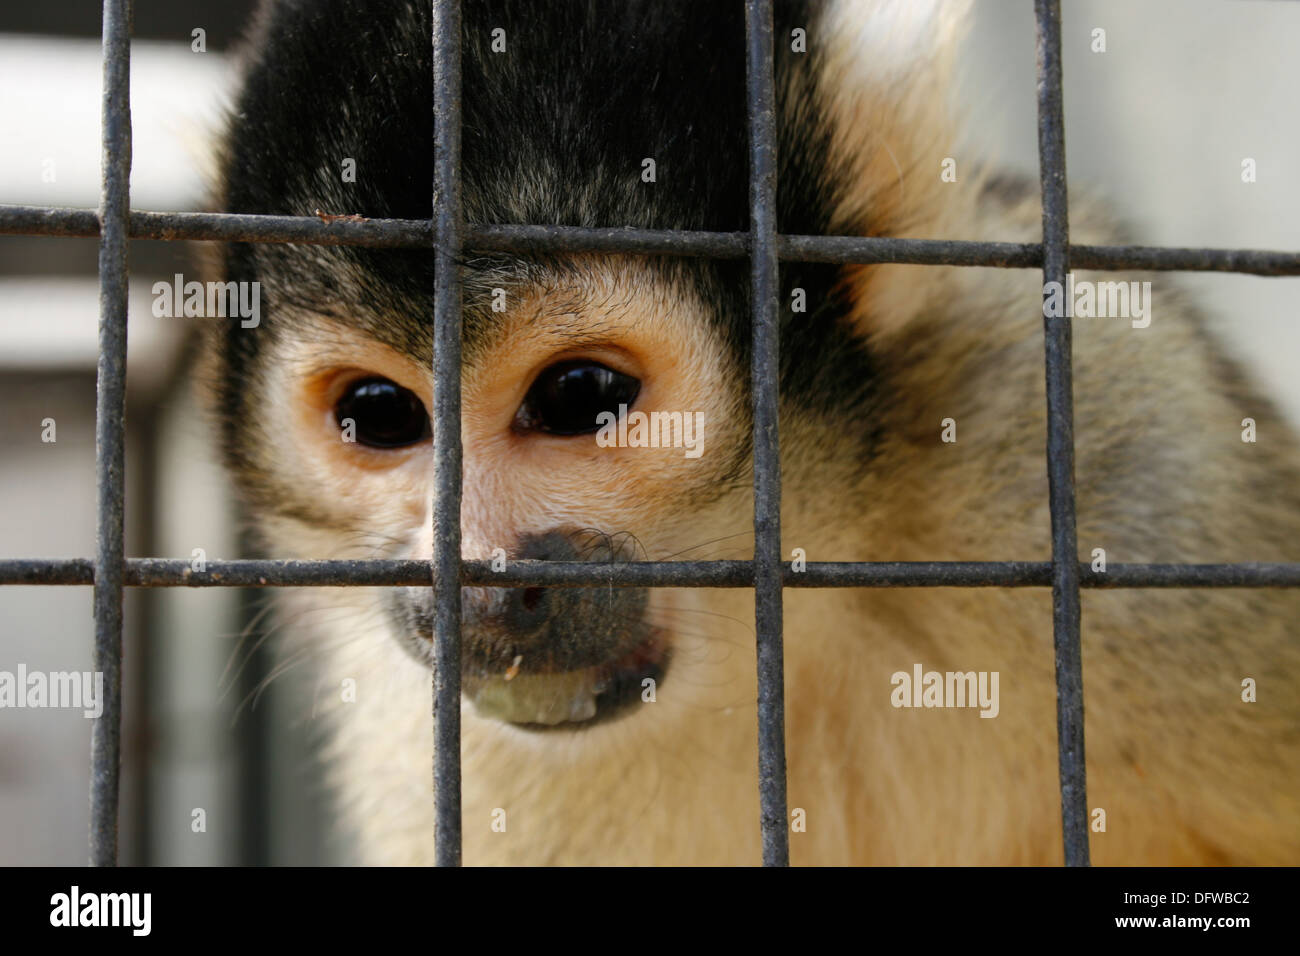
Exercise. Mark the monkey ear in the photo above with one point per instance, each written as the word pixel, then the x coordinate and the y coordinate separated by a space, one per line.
pixel 880 76
pixel 883 72
pixel 883 41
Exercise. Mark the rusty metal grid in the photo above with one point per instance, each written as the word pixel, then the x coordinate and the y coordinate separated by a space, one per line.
pixel 110 571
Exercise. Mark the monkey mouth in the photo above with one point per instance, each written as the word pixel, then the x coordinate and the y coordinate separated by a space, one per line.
pixel 579 697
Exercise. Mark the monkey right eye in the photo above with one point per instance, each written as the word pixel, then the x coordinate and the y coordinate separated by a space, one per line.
pixel 382 414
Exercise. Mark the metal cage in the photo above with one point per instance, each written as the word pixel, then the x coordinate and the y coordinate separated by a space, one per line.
pixel 110 571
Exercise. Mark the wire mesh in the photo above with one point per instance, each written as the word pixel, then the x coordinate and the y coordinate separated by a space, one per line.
pixel 110 571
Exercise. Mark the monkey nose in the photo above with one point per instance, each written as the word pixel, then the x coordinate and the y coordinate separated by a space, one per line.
pixel 575 624
pixel 527 612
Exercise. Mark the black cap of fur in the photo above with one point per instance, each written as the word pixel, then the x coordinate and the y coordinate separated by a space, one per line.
pixel 555 130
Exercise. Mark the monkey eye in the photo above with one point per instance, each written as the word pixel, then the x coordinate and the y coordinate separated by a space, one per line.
pixel 384 414
pixel 566 398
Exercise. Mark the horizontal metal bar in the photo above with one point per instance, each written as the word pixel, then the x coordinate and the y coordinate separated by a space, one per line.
pixel 573 239
pixel 331 230
pixel 231 227
pixel 177 572
pixel 1181 259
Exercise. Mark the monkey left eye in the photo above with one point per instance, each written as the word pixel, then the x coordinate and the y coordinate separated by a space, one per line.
pixel 384 415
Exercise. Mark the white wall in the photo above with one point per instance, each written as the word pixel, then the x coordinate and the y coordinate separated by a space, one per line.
pixel 1159 125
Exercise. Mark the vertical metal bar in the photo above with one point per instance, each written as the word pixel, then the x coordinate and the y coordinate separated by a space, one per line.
pixel 110 412
pixel 141 681
pixel 446 429
pixel 767 457
pixel 253 730
pixel 1060 442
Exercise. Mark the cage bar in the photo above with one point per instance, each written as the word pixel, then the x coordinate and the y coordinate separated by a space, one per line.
pixel 529 239
pixel 446 431
pixel 177 573
pixel 1060 442
pixel 110 571
pixel 764 290
pixel 110 441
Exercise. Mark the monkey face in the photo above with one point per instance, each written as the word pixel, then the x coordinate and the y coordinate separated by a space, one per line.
pixel 603 420
pixel 605 399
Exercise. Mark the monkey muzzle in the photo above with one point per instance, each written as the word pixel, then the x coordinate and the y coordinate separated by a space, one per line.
pixel 544 657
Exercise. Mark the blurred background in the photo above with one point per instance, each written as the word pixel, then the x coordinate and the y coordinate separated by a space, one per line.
pixel 1158 123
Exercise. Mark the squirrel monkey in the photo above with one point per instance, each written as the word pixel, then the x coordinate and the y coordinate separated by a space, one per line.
pixel 606 417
